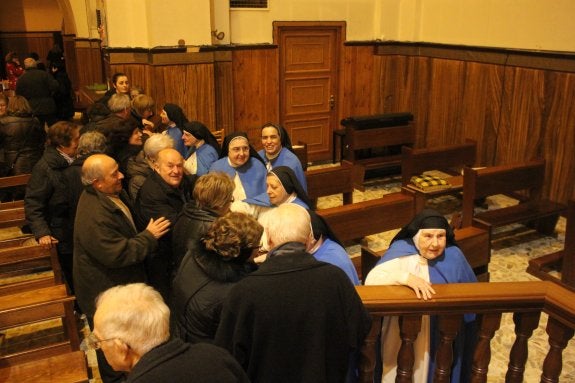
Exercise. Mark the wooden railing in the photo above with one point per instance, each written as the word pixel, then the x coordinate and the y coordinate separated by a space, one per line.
pixel 526 300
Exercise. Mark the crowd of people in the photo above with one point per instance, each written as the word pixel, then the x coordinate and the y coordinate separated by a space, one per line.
pixel 195 261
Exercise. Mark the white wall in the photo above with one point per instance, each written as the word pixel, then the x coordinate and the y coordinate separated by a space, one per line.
pixel 522 24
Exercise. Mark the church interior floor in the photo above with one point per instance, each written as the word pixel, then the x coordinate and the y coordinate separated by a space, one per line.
pixel 512 247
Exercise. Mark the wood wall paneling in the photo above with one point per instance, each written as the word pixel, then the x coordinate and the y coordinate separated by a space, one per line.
pixel 255 90
pixel 224 93
pixel 360 88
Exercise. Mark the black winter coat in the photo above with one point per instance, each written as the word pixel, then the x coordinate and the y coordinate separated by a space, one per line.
pixel 203 281
pixel 179 362
pixel 46 202
pixel 38 86
pixel 190 227
pixel 158 199
pixel 22 139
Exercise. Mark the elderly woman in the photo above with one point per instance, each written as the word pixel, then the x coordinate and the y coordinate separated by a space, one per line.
pixel 423 253
pixel 241 162
pixel 21 136
pixel 174 118
pixel 277 151
pixel 46 201
pixel 209 271
pixel 283 186
pixel 203 148
pixel 212 197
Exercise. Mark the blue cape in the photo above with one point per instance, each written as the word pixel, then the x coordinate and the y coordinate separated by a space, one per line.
pixel 287 158
pixel 252 175
pixel 206 155
pixel 331 252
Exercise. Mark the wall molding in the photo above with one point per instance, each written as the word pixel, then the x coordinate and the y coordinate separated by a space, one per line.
pixel 536 59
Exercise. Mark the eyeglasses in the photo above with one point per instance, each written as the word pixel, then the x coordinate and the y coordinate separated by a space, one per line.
pixel 91 342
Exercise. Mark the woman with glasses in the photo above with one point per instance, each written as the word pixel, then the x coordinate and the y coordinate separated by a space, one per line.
pixel 241 162
pixel 208 272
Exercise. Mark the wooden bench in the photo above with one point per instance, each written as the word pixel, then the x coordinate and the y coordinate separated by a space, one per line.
pixel 70 367
pixel 365 136
pixel 35 306
pixel 449 160
pixel 355 221
pixel 13 182
pixel 474 242
pixel 331 180
pixel 29 259
pixel 523 180
pixel 12 217
pixel 563 260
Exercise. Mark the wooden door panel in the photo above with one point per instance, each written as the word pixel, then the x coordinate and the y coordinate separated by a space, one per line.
pixel 314 131
pixel 307 95
pixel 311 52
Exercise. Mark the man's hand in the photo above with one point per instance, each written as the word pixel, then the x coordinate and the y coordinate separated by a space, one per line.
pixel 421 287
pixel 158 227
pixel 47 241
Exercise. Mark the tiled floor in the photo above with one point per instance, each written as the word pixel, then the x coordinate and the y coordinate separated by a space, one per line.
pixel 512 247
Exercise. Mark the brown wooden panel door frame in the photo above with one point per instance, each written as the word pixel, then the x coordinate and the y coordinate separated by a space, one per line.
pixel 339 28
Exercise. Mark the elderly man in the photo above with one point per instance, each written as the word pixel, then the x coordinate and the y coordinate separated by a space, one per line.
pixel 295 319
pixel 163 194
pixel 38 86
pixel 108 250
pixel 131 327
pixel 119 105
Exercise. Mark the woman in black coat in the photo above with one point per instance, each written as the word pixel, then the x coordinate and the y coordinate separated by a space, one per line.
pixel 208 272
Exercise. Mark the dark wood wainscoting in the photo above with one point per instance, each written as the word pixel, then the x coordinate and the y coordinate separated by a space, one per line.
pixel 516 105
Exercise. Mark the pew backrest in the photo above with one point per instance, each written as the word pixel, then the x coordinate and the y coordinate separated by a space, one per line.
pixel 11 181
pixel 449 158
pixel 28 259
pixel 357 220
pixel 331 180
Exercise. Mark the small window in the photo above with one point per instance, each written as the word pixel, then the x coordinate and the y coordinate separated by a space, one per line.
pixel 248 3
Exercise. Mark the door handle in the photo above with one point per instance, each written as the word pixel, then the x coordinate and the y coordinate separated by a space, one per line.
pixel 332 101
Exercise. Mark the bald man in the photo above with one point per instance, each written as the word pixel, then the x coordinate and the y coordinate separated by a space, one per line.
pixel 108 249
pixel 295 319
pixel 163 194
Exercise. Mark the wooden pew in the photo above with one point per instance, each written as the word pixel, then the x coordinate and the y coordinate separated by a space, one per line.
pixel 448 159
pixel 563 260
pixel 377 133
pixel 331 180
pixel 34 306
pixel 70 367
pixel 13 217
pixel 28 259
pixel 475 243
pixel 300 150
pixel 354 221
pixel 14 181
pixel 537 212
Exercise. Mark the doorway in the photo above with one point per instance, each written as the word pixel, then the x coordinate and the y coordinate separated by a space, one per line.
pixel 309 67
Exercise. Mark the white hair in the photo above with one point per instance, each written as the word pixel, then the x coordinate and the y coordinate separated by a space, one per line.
pixel 135 314
pixel 156 143
pixel 288 222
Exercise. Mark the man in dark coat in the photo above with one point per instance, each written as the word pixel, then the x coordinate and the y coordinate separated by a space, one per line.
pixel 132 329
pixel 38 87
pixel 108 250
pixel 295 319
pixel 163 194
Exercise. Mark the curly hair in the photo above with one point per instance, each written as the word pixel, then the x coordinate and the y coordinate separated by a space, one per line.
pixel 235 235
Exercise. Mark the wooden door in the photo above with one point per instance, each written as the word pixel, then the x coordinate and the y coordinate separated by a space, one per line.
pixel 309 60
